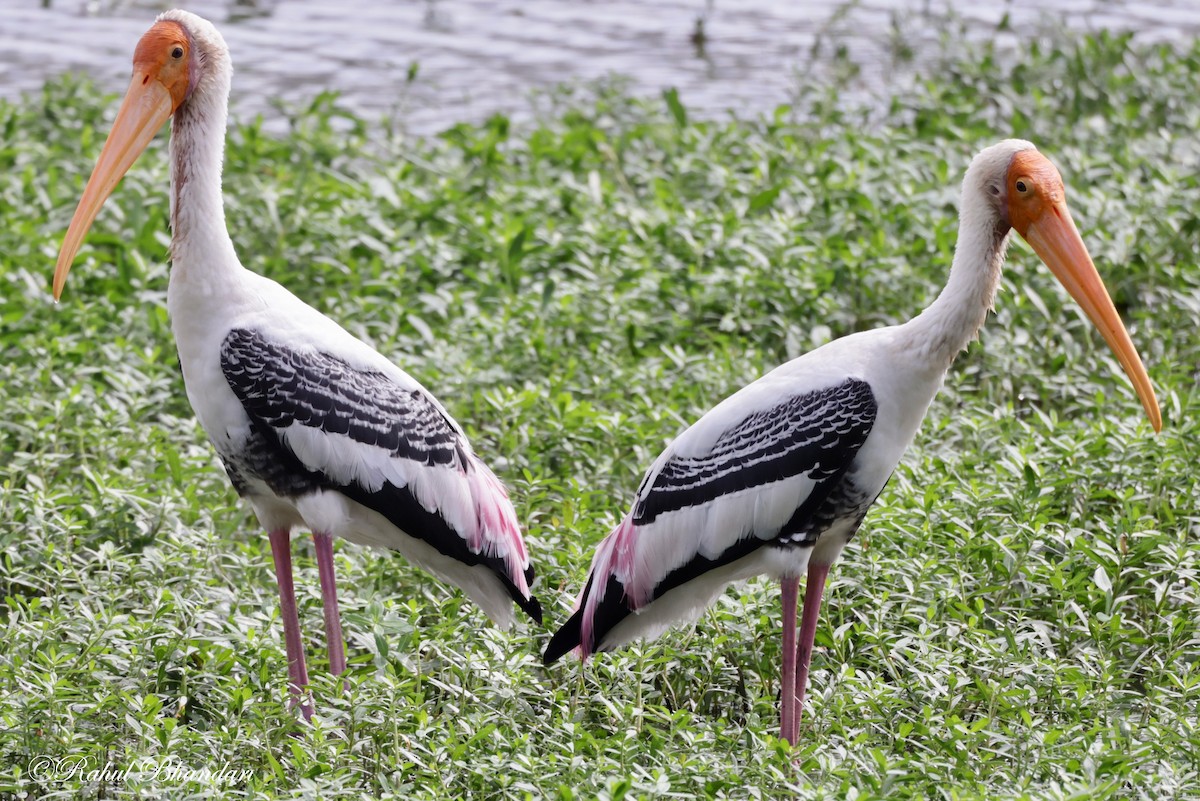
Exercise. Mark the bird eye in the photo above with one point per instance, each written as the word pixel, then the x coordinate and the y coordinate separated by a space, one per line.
pixel 177 52
pixel 1022 187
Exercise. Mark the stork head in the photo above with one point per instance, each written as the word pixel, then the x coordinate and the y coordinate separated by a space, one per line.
pixel 1017 188
pixel 182 59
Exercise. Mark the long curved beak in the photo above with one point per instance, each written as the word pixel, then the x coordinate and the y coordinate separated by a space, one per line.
pixel 146 107
pixel 1054 237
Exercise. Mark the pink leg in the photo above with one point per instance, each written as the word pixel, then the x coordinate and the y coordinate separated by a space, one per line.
pixel 333 619
pixel 814 587
pixel 281 550
pixel 787 685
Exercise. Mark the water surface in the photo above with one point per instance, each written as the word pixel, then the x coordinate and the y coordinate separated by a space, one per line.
pixel 473 58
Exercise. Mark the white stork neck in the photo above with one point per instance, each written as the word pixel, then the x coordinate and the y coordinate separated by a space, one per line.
pixel 954 318
pixel 201 250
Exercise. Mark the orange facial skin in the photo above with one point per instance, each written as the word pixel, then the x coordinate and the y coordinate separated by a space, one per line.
pixel 164 54
pixel 161 78
pixel 1037 210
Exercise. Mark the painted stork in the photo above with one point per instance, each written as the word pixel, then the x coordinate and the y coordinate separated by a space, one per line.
pixel 777 478
pixel 315 428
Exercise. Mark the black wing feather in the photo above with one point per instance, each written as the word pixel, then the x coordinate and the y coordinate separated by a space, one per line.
pixel 280 386
pixel 816 433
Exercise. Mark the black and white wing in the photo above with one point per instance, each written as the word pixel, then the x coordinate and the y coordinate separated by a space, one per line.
pixel 378 438
pixel 765 468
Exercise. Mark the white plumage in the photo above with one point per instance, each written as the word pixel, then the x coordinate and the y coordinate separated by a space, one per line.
pixel 776 479
pixel 316 429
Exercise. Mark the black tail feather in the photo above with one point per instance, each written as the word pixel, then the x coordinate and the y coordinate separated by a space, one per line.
pixel 571 634
pixel 531 606
pixel 566 638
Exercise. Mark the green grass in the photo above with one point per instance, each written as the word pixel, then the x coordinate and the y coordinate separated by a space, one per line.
pixel 1018 618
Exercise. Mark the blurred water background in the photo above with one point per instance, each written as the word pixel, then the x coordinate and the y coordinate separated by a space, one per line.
pixel 433 63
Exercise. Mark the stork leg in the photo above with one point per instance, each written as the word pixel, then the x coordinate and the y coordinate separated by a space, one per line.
pixel 333 619
pixel 281 550
pixel 814 588
pixel 787 684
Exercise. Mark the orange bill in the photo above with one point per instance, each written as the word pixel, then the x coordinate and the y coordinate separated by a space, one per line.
pixel 147 105
pixel 1054 237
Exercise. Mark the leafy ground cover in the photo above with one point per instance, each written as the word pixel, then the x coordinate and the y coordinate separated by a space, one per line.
pixel 1018 618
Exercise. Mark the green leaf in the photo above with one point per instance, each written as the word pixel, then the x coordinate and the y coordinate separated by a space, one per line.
pixel 678 112
pixel 765 198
